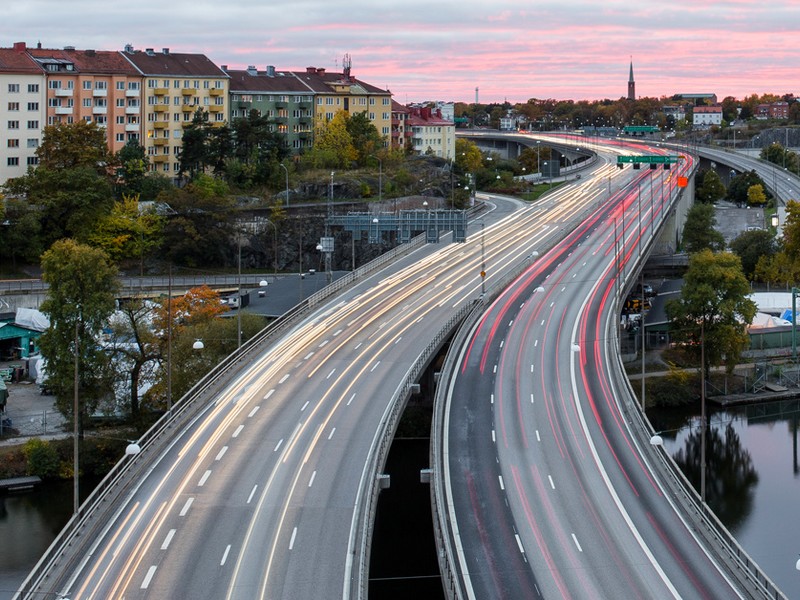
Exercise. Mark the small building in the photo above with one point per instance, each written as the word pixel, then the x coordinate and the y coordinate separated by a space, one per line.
pixel 775 110
pixel 706 116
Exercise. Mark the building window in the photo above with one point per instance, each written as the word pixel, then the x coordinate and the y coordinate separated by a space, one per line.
pixel 87 103
pixel 33 88
pixel 120 102
pixel 33 106
pixel 101 85
pixel 33 124
pixel 120 120
pixel 121 86
pixel 33 142
pixel 13 88
pixel 372 101
pixel 13 161
pixel 13 124
pixel 13 106
pixel 101 120
pixel 133 85
pixel 120 137
pixel 53 84
pixel 13 143
pixel 33 161
pixel 87 85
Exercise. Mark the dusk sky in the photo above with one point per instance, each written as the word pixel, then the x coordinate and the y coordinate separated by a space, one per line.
pixel 443 50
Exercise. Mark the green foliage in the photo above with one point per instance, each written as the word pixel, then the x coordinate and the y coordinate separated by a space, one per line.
pixel 80 298
pixel 133 167
pixel 750 246
pixel 714 306
pixel 126 233
pixel 22 233
pixel 364 136
pixel 783 157
pixel 739 186
pixel 677 388
pixel 791 230
pixel 712 188
pixel 699 232
pixel 78 145
pixel 334 144
pixel 42 458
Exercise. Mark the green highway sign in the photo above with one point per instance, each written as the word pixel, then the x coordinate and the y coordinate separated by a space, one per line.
pixel 648 159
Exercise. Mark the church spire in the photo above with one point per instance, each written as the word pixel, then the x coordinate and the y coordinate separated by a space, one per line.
pixel 631 84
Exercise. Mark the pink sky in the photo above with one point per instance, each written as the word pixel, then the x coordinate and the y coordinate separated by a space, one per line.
pixel 510 49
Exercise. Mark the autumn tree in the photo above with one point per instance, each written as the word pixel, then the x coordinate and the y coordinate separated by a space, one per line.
pixel 364 136
pixel 74 146
pixel 333 145
pixel 81 293
pixel 468 156
pixel 126 232
pixel 714 309
pixel 750 246
pixel 756 195
pixel 740 184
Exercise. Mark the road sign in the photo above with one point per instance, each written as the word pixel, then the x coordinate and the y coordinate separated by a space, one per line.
pixel 659 159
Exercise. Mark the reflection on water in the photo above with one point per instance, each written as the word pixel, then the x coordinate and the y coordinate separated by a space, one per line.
pixel 752 480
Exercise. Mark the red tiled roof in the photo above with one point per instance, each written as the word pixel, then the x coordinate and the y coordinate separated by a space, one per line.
pixel 17 61
pixel 170 64
pixel 282 81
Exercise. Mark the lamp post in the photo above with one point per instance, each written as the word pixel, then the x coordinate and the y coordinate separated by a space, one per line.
pixel 282 166
pixel 483 263
pixel 75 424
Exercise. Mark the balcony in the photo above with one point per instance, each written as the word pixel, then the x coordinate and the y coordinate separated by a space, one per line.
pixel 63 110
pixel 132 93
pixel 99 93
pixel 188 108
pixel 161 158
pixel 216 92
pixel 63 93
pixel 132 110
pixel 99 110
pixel 160 91
pixel 160 124
pixel 189 92
pixel 160 142
pixel 160 108
pixel 245 105
pixel 131 127
pixel 215 108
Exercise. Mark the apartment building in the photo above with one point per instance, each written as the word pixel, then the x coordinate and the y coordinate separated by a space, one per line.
pixel 22 102
pixel 430 132
pixel 175 86
pixel 341 91
pixel 279 96
pixel 706 116
pixel 94 86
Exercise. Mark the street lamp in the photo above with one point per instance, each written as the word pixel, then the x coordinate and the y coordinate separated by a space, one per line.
pixel 282 166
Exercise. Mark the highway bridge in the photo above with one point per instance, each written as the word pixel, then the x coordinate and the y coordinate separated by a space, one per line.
pixel 262 484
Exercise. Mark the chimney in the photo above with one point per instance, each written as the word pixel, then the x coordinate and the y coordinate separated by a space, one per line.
pixel 224 68
pixel 129 48
pixel 320 70
pixel 90 52
pixel 270 71
pixel 251 70
pixel 311 70
pixel 165 50
pixel 149 52
pixel 19 46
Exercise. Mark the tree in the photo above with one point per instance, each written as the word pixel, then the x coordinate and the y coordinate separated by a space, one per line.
pixel 80 298
pixel 364 136
pixel 791 230
pixel 750 246
pixel 756 195
pixel 21 231
pixel 714 309
pixel 468 156
pixel 194 156
pixel 699 232
pixel 712 188
pixel 127 233
pixel 333 145
pixel 739 185
pixel 74 145
pixel 133 167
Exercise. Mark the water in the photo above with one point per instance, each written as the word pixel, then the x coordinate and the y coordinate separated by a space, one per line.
pixel 29 522
pixel 752 477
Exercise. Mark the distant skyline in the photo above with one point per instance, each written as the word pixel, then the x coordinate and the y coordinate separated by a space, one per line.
pixel 510 49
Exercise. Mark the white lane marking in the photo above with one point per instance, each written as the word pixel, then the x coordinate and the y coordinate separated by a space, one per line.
pixel 332 432
pixel 291 541
pixel 225 555
pixel 204 478
pixel 338 331
pixel 351 399
pixel 574 275
pixel 495 369
pixel 323 344
pixel 147 578
pixel 359 345
pixel 511 322
pixel 563 289
pixel 238 431
pixel 285 377
pixel 398 340
pixel 278 445
pixel 502 486
pixel 252 493
pixel 531 368
pixel 519 543
pixel 305 405
pixel 269 393
pixel 309 355
pixel 575 539
pixel 168 539
pixel 531 398
pixel 552 485
pixel 221 453
pixel 538 439
pixel 186 507
pixel 502 342
pixel 375 366
pixel 331 373
pixel 552 304
pixel 311 481
pixel 254 411
pixel 494 436
pixel 535 343
pixel 542 323
pixel 491 399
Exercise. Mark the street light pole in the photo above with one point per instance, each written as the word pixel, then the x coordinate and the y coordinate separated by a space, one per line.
pixel 483 263
pixel 75 425
pixel 282 166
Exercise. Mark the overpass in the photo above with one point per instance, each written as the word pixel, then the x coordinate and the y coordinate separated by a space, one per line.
pixel 270 464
